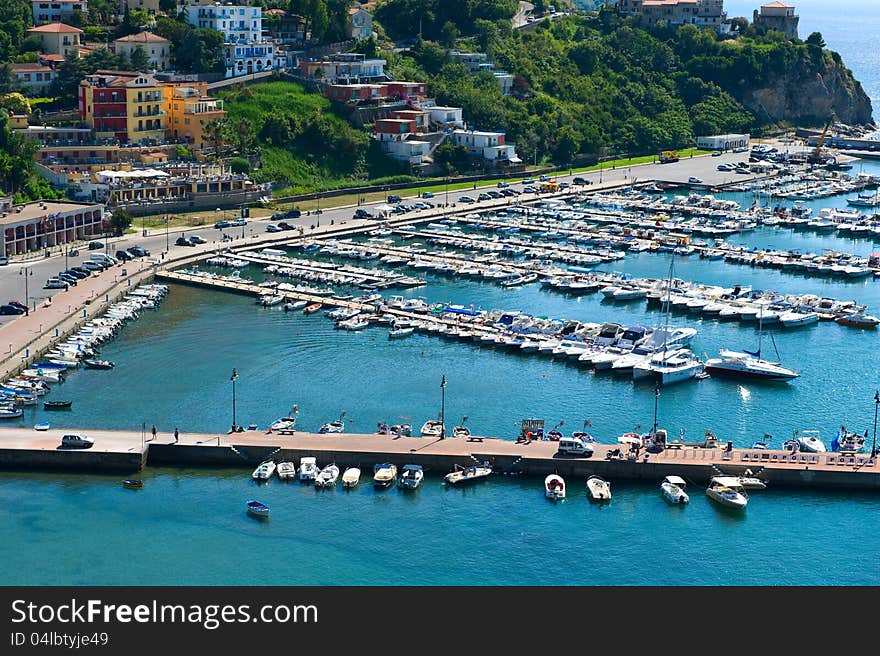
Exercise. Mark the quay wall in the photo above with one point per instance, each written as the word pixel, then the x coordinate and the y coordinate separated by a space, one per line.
pixel 66 460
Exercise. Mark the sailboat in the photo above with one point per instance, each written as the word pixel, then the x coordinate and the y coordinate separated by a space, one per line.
pixel 748 364
pixel 672 367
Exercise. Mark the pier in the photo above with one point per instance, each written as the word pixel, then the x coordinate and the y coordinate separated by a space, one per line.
pixel 131 451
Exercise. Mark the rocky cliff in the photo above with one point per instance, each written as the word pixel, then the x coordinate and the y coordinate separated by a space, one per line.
pixel 812 98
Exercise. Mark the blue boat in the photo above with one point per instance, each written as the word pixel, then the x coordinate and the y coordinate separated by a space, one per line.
pixel 257 509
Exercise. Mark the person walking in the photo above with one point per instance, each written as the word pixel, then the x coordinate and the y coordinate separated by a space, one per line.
pixel 153 431
pixel 176 435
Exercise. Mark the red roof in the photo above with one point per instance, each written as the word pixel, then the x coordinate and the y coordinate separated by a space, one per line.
pixel 56 28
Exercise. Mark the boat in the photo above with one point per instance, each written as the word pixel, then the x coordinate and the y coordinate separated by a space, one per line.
pixel 57 405
pixel 747 365
pixel 286 470
pixel 808 440
pixel 461 431
pixel 858 320
pixel 264 471
pixel 847 442
pixel 257 509
pixel 9 412
pixel 673 490
pixel 287 423
pixel 410 477
pixel 308 469
pixel 311 309
pixel 327 476
pixel 132 484
pixel 465 474
pixel 384 474
pixel 43 426
pixel 749 481
pixel 401 332
pixel 98 364
pixel 727 491
pixel 351 476
pixel 401 430
pixel 554 487
pixel 432 428
pixel 336 426
pixel 598 489
pixel 295 305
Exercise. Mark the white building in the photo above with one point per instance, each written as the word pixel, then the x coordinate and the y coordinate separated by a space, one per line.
pixel 450 117
pixel 723 141
pixel 246 49
pixel 412 150
pixel 488 145
pixel 57 11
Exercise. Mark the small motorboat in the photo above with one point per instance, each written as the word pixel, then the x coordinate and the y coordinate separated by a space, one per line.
pixel 598 489
pixel 295 305
pixel 384 474
pixel 10 412
pixel 327 476
pixel 432 428
pixel 43 426
pixel 132 484
pixel 264 471
pixel 308 469
pixel 410 477
pixel 311 309
pixel 401 332
pixel 337 426
pixel 351 477
pixel 98 364
pixel 286 470
pixel 257 509
pixel 725 490
pixel 673 490
pixel 466 474
pixel 808 440
pixel 554 487
pixel 858 320
pixel 57 405
pixel 749 481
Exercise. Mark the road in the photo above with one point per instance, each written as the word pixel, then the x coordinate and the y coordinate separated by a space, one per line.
pixel 522 15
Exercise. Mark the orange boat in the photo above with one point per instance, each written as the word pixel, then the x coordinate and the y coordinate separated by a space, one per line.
pixel 314 307
pixel 858 320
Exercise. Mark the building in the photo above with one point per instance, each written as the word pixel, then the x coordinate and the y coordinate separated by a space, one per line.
pixel 356 93
pixel 33 79
pixel 150 6
pixel 446 117
pixel 359 24
pixel 723 141
pixel 345 68
pixel 406 90
pixel 127 105
pixel 490 146
pixel 57 11
pixel 43 224
pixel 190 112
pixel 477 62
pixel 702 13
pixel 156 48
pixel 778 16
pixel 58 38
pixel 287 29
pixel 247 51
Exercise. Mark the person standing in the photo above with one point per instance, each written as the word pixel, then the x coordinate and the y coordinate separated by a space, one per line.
pixel 176 435
pixel 153 431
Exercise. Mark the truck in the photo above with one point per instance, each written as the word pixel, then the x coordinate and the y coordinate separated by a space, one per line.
pixel 668 156
pixel 549 187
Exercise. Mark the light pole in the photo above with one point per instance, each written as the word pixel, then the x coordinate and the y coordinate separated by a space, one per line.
pixel 166 233
pixel 876 405
pixel 447 192
pixel 443 407
pixel 656 400
pixel 233 379
pixel 26 272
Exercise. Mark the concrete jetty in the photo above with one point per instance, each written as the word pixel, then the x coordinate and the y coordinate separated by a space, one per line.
pixel 130 451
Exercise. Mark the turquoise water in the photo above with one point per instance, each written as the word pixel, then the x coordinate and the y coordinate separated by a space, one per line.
pixel 189 526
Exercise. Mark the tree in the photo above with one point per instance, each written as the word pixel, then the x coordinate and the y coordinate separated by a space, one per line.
pixel 452 158
pixel 120 221
pixel 815 39
pixel 239 165
pixel 215 134
pixel 140 61
pixel 449 33
pixel 15 103
pixel 568 143
pixel 65 86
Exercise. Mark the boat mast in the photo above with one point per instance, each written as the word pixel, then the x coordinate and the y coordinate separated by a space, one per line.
pixel 668 305
pixel 760 329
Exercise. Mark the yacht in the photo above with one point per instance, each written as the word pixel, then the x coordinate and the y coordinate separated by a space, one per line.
pixel 410 477
pixel 554 487
pixel 727 491
pixel 747 365
pixel 847 442
pixel 327 476
pixel 432 428
pixel 673 490
pixel 808 440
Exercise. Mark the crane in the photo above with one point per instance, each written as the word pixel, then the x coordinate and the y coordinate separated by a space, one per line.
pixel 815 156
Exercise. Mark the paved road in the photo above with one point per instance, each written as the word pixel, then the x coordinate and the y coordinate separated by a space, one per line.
pixel 522 15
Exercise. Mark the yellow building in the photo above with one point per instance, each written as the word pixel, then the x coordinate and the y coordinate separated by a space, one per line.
pixel 190 111
pixel 127 105
pixel 58 38
pixel 156 48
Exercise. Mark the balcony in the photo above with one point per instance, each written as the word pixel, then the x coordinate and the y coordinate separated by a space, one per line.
pixel 161 112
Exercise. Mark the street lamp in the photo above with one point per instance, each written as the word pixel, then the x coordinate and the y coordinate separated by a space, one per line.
pixel 26 272
pixel 166 233
pixel 876 405
pixel 656 400
pixel 443 407
pixel 233 379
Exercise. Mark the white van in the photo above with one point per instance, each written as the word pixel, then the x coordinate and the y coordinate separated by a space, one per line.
pixel 103 258
pixel 575 446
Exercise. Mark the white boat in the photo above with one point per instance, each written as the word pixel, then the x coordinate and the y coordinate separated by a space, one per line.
pixel 269 300
pixel 745 365
pixel 327 476
pixel 287 423
pixel 336 426
pixel 410 477
pixel 264 471
pixel 351 476
pixel 10 412
pixel 727 491
pixel 384 474
pixel 598 489
pixel 308 468
pixel 808 440
pixel 432 428
pixel 467 474
pixel 849 442
pixel 794 318
pixel 673 490
pixel 295 305
pixel 257 509
pixel 554 487
pixel 286 471
pixel 749 481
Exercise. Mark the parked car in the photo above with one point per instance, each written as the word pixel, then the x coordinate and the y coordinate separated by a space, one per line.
pixel 502 185
pixel 394 198
pixel 93 266
pixel 361 213
pixel 69 279
pixel 195 239
pixel 55 283
pixel 285 226
pixel 484 196
pixel 427 194
pixel 745 149
pixel 508 192
pixel 716 153
pixel 695 180
pixel 544 178
pixel 742 171
pixel 122 256
pixel 77 274
pixel 10 309
pixel 494 194
pixel 183 241
pixel 580 181
pixel 21 306
pixel 529 181
pixel 564 185
pixel 466 199
pixel 222 224
pixel 530 190
pixel 237 223
pixel 277 215
pixel 95 245
pixel 273 228
pixel 4 261
pixel 83 270
pixel 76 441
pixel 291 214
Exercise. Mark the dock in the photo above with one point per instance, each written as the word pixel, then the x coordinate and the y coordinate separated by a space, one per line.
pixel 131 451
